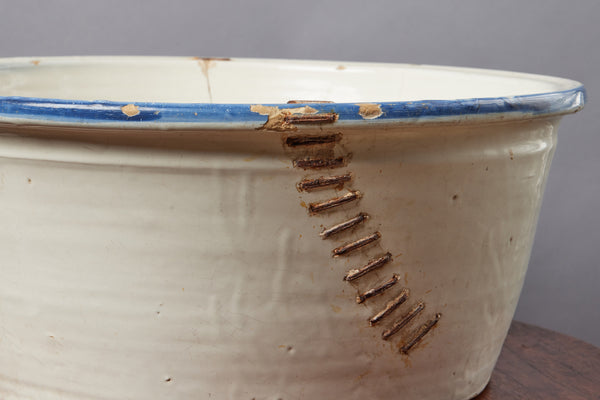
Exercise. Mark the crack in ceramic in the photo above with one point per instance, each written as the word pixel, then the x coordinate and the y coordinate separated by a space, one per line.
pixel 327 160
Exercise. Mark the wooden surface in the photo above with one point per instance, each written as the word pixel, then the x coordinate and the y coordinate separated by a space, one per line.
pixel 536 363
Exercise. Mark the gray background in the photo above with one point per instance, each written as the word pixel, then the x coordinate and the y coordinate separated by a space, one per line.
pixel 553 37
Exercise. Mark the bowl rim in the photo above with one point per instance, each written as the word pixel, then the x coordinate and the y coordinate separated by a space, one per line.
pixel 165 115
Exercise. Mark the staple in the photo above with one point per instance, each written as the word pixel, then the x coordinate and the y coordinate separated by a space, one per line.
pixel 402 322
pixel 310 118
pixel 352 222
pixel 390 306
pixel 420 333
pixel 315 208
pixel 378 290
pixel 371 266
pixel 308 101
pixel 320 163
pixel 306 185
pixel 311 140
pixel 357 244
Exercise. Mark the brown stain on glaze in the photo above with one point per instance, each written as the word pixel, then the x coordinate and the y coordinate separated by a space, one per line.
pixel 208 59
pixel 361 376
pixel 205 64
pixel 35 62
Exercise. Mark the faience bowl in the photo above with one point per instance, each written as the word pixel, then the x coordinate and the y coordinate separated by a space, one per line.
pixel 203 228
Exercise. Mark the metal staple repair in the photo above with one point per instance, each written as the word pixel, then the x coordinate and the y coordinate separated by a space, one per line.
pixel 390 306
pixel 308 101
pixel 372 265
pixel 357 244
pixel 378 290
pixel 311 140
pixel 420 333
pixel 402 322
pixel 320 163
pixel 310 118
pixel 352 222
pixel 306 185
pixel 314 208
pixel 317 151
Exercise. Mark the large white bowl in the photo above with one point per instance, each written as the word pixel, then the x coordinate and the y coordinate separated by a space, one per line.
pixel 171 228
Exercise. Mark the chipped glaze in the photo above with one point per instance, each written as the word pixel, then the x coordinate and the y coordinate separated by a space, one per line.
pixel 154 244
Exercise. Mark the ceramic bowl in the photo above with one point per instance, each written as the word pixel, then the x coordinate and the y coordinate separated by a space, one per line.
pixel 201 228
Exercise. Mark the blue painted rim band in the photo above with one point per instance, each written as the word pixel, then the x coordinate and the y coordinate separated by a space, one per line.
pixel 103 113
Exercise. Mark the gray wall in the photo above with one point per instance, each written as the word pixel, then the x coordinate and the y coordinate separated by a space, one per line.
pixel 554 37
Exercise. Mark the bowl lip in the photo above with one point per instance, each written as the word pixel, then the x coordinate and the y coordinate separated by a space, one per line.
pixel 166 115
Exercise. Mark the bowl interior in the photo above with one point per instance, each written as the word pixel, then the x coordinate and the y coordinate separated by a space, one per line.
pixel 249 81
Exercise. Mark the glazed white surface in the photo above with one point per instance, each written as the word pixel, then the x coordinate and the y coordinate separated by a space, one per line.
pixel 177 265
pixel 252 81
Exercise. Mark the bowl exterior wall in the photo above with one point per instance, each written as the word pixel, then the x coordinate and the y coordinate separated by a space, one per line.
pixel 189 264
